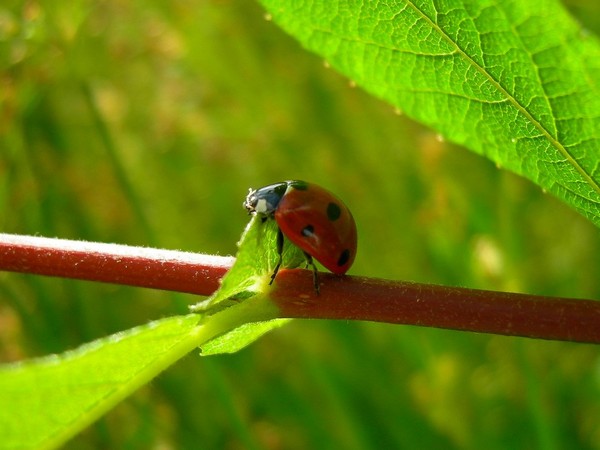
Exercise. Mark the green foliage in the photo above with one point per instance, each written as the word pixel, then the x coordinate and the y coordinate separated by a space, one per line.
pixel 240 337
pixel 249 277
pixel 52 398
pixel 516 81
pixel 106 371
pixel 147 123
pixel 254 262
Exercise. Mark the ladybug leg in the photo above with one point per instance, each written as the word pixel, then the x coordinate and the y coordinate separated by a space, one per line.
pixel 309 262
pixel 280 253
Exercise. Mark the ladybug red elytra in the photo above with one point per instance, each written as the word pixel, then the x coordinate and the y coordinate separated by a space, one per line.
pixel 312 218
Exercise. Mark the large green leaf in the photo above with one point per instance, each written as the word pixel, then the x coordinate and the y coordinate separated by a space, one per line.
pixel 48 400
pixel 516 81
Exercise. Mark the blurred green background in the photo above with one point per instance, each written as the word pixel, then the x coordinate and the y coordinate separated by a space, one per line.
pixel 145 123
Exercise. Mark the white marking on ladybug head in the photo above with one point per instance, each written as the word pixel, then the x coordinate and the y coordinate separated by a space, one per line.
pixel 261 206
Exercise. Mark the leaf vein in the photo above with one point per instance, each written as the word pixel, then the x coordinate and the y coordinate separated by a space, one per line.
pixel 511 98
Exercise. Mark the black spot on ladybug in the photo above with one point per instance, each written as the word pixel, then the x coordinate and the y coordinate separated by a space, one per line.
pixel 333 212
pixel 300 185
pixel 344 257
pixel 308 231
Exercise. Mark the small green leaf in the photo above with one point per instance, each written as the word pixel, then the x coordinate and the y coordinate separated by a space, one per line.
pixel 516 81
pixel 48 400
pixel 240 337
pixel 250 277
pixel 255 261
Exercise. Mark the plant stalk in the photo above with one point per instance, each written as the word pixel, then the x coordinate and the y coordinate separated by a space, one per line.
pixel 341 297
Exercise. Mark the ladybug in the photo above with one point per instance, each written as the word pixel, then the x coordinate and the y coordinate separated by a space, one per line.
pixel 312 218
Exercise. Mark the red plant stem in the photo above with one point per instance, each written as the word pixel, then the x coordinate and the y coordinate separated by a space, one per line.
pixel 121 264
pixel 357 298
pixel 346 297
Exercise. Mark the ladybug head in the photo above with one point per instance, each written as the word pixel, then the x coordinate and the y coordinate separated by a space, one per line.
pixel 251 201
pixel 258 203
pixel 264 201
